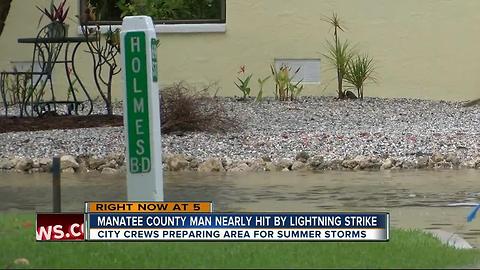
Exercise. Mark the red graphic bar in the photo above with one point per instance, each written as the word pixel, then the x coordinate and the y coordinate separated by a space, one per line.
pixel 60 227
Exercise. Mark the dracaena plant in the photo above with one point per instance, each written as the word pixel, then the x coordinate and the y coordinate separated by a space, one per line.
pixel 243 82
pixel 56 14
pixel 339 52
pixel 339 55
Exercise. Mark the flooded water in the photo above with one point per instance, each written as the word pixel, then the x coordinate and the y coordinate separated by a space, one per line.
pixel 415 199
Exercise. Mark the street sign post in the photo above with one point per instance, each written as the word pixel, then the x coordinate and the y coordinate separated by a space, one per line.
pixel 141 109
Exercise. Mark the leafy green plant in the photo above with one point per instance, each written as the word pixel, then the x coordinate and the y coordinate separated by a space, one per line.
pixel 102 10
pixel 360 70
pixel 261 83
pixel 243 83
pixel 295 90
pixel 285 88
pixel 243 86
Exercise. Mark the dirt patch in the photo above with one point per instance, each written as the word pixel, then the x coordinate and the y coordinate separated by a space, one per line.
pixel 15 124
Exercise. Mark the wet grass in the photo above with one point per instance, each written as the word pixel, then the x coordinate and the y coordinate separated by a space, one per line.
pixel 406 249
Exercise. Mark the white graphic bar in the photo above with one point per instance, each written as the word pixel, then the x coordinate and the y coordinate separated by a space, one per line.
pixel 238 234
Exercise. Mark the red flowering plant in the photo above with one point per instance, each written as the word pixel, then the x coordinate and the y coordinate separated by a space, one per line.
pixel 243 82
pixel 56 14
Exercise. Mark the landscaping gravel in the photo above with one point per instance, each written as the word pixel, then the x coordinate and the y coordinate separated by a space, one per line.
pixel 404 129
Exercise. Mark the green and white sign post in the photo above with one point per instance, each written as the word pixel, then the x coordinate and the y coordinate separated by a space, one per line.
pixel 141 109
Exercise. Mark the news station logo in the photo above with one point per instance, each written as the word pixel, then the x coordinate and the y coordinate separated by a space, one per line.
pixel 60 227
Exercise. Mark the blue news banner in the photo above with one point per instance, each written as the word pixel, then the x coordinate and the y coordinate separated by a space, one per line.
pixel 238 227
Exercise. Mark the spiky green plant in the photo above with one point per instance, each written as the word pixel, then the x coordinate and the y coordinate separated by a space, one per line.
pixel 359 70
pixel 339 55
pixel 337 25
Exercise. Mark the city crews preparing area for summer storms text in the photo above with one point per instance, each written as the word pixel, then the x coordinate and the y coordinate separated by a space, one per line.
pixel 235 234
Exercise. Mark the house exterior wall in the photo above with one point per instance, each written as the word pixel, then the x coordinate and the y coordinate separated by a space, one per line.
pixel 423 48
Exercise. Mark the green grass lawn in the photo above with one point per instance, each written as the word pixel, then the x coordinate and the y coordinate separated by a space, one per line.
pixel 406 249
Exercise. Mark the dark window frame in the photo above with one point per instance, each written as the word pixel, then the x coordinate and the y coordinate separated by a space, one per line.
pixel 222 20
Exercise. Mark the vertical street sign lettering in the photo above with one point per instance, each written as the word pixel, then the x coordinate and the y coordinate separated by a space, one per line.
pixel 137 103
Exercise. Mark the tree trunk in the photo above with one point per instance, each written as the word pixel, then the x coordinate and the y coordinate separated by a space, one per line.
pixel 4 9
pixel 341 93
pixel 109 92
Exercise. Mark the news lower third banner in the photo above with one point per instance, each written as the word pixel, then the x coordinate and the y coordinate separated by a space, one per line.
pixel 193 221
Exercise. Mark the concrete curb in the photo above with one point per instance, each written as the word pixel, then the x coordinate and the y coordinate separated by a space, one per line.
pixel 450 239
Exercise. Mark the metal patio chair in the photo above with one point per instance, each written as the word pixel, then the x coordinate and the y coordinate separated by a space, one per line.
pixel 29 86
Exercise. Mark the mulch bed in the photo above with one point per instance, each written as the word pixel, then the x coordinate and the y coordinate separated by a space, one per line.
pixel 15 124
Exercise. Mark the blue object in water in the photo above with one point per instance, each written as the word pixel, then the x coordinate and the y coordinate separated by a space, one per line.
pixel 473 214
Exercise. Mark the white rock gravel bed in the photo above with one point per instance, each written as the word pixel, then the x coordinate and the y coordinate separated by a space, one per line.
pixel 371 134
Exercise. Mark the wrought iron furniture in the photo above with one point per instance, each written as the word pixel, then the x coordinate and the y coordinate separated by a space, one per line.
pixel 32 97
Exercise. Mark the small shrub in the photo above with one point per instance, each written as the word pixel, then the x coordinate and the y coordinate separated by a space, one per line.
pixel 185 109
pixel 17 89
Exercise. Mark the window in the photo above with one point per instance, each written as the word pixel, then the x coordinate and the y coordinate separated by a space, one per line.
pixel 110 12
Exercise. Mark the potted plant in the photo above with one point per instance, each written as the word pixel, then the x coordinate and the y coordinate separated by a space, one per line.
pixel 57 15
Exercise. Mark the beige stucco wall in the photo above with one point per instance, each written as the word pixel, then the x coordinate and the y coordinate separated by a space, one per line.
pixel 423 48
